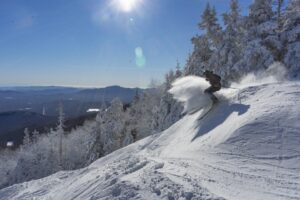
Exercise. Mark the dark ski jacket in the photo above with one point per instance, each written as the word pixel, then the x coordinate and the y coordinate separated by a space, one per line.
pixel 213 79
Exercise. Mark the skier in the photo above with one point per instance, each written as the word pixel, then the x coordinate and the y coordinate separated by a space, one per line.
pixel 215 82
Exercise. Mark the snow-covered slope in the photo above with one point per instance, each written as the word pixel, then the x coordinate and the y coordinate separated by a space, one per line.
pixel 248 147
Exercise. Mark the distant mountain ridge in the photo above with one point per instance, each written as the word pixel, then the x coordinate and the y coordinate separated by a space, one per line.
pixel 76 100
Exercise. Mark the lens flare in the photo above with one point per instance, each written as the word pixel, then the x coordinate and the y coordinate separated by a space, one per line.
pixel 140 59
pixel 138 52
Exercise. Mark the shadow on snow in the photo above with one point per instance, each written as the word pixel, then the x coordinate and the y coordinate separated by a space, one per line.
pixel 220 114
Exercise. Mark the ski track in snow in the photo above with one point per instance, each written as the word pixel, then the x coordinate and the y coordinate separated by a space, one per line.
pixel 248 147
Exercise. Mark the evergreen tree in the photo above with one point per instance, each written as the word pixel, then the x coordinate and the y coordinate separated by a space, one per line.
pixel 35 136
pixel 26 139
pixel 168 111
pixel 260 12
pixel 209 23
pixel 291 37
pixel 279 7
pixel 198 61
pixel 113 126
pixel 178 72
pixel 170 77
pixel 96 150
pixel 230 50
pixel 60 132
pixel 232 22
pixel 260 41
pixel 206 45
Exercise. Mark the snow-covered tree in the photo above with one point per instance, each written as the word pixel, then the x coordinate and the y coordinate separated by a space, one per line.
pixel 167 111
pixel 229 52
pixel 260 40
pixel 96 151
pixel 113 126
pixel 260 12
pixel 198 61
pixel 35 136
pixel 78 145
pixel 139 117
pixel 206 46
pixel 209 23
pixel 26 140
pixel 60 132
pixel 291 37
pixel 279 10
pixel 169 77
pixel 178 72
pixel 8 162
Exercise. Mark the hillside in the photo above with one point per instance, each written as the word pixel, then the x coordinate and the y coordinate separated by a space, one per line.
pixel 13 120
pixel 12 124
pixel 247 147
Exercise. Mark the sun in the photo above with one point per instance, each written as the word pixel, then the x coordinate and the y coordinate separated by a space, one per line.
pixel 126 5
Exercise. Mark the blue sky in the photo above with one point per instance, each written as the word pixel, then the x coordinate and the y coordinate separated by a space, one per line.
pixel 93 43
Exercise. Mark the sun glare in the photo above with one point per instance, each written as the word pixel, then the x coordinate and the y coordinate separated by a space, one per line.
pixel 126 5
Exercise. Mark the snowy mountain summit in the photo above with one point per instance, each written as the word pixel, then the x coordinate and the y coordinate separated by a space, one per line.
pixel 247 147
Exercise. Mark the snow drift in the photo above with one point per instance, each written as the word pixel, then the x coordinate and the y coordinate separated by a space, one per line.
pixel 190 91
pixel 275 73
pixel 245 148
